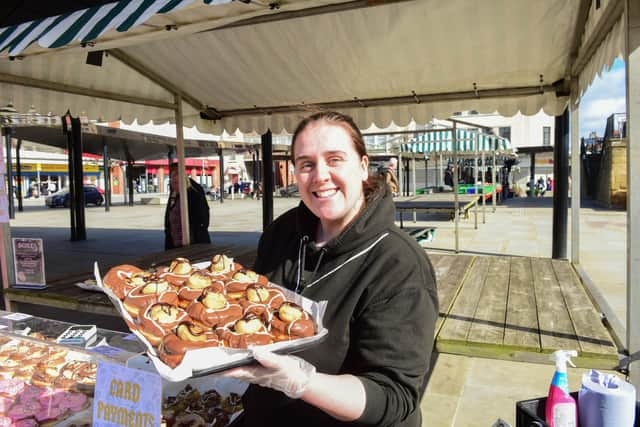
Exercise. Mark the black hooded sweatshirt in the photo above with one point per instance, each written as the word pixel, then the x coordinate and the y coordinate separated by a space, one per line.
pixel 381 313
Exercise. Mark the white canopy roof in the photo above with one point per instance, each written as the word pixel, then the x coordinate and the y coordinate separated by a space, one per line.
pixel 255 68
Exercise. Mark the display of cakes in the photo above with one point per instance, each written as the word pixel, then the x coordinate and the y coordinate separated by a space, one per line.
pixel 181 307
pixel 42 384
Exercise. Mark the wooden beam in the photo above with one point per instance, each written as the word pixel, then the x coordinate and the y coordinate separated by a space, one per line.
pixel 610 15
pixel 77 90
pixel 138 66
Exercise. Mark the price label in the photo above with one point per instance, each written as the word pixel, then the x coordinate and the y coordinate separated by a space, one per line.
pixel 125 396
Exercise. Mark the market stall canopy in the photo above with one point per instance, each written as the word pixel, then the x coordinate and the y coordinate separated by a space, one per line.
pixel 469 142
pixel 264 65
pixel 121 144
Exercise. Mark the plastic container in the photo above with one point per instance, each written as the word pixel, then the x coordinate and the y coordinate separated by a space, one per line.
pixel 530 413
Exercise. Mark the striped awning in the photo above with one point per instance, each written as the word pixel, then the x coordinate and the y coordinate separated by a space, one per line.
pixel 87 25
pixel 469 141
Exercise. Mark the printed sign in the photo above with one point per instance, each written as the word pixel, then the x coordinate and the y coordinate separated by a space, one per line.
pixel 28 258
pixel 126 397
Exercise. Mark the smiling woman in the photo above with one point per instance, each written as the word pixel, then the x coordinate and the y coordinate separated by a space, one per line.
pixel 341 245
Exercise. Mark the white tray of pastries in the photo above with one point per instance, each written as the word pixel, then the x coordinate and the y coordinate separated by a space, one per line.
pixel 198 319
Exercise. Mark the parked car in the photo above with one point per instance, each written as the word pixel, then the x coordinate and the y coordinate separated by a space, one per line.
pixel 63 197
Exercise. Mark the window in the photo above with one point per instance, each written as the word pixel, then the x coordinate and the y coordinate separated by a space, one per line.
pixel 505 132
pixel 597 4
pixel 546 135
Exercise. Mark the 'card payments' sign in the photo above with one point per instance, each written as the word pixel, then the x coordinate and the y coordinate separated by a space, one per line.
pixel 126 397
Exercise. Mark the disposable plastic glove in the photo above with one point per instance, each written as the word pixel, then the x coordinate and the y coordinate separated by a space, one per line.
pixel 288 374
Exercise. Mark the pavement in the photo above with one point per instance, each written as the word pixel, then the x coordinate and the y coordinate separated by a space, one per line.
pixel 462 391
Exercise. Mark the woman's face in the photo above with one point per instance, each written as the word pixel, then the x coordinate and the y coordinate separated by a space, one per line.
pixel 330 174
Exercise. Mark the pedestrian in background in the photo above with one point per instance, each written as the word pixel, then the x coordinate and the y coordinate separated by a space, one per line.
pixel 198 212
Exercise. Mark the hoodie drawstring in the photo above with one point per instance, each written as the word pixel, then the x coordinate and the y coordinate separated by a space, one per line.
pixel 302 255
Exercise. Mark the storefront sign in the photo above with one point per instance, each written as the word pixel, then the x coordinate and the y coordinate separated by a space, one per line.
pixel 126 397
pixel 28 258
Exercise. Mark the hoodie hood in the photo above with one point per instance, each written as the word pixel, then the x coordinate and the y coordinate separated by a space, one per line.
pixel 376 217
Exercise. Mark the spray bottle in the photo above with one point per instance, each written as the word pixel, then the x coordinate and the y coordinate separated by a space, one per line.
pixel 560 410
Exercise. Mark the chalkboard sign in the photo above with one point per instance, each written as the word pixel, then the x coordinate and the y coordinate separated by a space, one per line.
pixel 28 258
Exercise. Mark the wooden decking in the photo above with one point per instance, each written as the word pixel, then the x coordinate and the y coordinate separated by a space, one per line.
pixel 518 308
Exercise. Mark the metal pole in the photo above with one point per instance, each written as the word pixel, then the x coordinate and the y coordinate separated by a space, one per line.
pixel 455 185
pixel 11 206
pixel 78 177
pixel 70 168
pixel 221 173
pixel 494 196
pixel 182 178
pixel 267 179
pixel 575 178
pixel 18 176
pixel 532 174
pixel 475 183
pixel 107 175
pixel 484 198
pixel 560 186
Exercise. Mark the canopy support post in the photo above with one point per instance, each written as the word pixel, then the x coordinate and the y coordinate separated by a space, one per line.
pixel 561 184
pixel 455 186
pixel 494 170
pixel 632 62
pixel 575 177
pixel 18 176
pixel 483 169
pixel 107 175
pixel 10 206
pixel 221 173
pixel 182 177
pixel 532 173
pixel 475 182
pixel 267 178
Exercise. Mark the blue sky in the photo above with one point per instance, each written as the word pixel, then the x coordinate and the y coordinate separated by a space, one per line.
pixel 605 96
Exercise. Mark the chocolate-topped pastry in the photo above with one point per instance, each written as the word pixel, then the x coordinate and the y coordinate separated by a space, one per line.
pixel 213 309
pixel 241 280
pixel 250 330
pixel 178 272
pixel 222 265
pixel 158 320
pixel 197 282
pixel 139 298
pixel 260 299
pixel 180 266
pixel 291 321
pixel 118 279
pixel 188 336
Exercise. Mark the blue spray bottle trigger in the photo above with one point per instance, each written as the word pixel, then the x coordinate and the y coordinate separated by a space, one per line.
pixel 561 358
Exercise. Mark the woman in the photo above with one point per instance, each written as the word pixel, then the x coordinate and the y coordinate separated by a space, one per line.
pixel 341 244
pixel 198 212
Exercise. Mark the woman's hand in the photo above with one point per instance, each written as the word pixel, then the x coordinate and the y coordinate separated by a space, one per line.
pixel 288 374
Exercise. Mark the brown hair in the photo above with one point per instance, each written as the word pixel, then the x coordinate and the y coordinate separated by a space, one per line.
pixel 346 122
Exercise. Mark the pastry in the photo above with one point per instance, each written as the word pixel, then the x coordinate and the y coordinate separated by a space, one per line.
pixel 158 320
pixel 188 336
pixel 139 298
pixel 118 279
pixel 260 299
pixel 197 282
pixel 250 330
pixel 292 320
pixel 213 309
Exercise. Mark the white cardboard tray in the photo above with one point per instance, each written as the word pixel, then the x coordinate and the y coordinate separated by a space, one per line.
pixel 210 360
